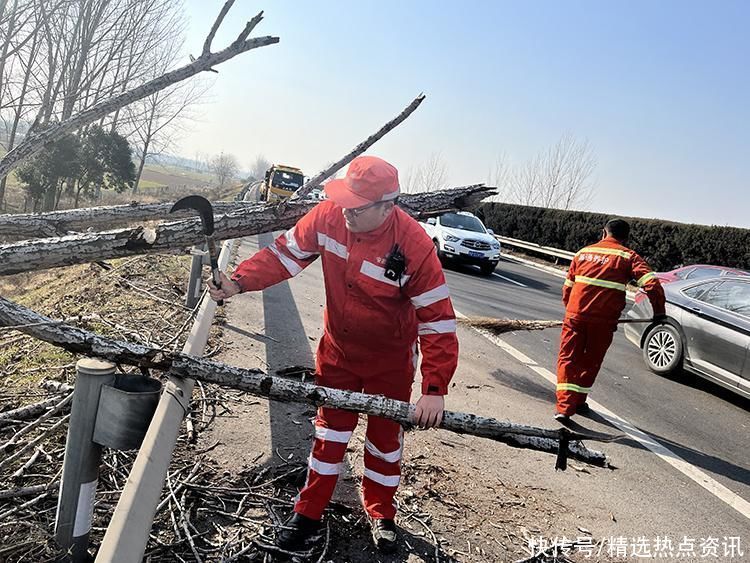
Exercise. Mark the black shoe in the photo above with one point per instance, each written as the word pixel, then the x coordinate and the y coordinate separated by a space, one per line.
pixel 583 408
pixel 297 532
pixel 560 417
pixel 384 534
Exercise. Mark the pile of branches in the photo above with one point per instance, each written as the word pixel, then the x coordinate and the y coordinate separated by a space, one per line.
pixel 205 514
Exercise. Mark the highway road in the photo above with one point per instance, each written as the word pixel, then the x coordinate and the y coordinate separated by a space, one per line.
pixel 698 428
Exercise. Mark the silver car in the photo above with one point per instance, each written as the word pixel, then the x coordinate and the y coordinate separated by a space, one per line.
pixel 707 331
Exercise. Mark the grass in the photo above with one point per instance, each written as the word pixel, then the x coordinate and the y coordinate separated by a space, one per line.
pixel 86 289
pixel 150 185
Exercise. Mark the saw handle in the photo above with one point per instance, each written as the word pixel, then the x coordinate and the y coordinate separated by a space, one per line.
pixel 214 259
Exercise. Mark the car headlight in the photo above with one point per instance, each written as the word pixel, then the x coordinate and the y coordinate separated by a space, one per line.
pixel 451 238
pixel 496 245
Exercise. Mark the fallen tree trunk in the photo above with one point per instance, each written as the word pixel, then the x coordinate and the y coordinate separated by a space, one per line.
pixel 177 235
pixel 37 141
pixel 258 383
pixel 60 223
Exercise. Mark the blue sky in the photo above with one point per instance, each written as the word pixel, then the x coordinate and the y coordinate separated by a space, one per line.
pixel 659 90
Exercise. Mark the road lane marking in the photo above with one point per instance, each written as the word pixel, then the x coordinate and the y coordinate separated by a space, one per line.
pixel 646 440
pixel 508 279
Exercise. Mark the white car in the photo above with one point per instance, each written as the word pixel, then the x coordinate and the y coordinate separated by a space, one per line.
pixel 316 195
pixel 461 237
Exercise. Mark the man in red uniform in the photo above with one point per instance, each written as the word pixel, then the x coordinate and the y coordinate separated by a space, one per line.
pixel 594 296
pixel 385 290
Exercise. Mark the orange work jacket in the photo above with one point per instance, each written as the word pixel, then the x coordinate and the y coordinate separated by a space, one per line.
pixel 595 287
pixel 369 318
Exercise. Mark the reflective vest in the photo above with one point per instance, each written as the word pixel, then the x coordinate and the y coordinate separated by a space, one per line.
pixel 369 318
pixel 595 287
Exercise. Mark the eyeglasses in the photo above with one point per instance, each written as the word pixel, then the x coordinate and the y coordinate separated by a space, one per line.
pixel 356 212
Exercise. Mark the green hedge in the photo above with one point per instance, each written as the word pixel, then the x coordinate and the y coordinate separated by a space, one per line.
pixel 665 245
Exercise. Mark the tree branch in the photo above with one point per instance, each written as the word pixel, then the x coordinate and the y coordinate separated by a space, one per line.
pixel 214 28
pixel 359 149
pixel 258 383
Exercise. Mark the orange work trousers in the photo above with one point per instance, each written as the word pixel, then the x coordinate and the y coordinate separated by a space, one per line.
pixel 583 345
pixel 390 375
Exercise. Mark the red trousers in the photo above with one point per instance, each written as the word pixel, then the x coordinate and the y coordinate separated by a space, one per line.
pixel 582 349
pixel 389 375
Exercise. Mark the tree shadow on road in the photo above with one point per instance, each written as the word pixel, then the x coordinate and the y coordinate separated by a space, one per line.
pixel 526 385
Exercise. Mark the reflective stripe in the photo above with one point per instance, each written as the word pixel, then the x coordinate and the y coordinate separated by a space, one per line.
pixel 291 266
pixel 600 283
pixel 390 457
pixel 643 279
pixel 333 246
pixel 330 435
pixel 385 480
pixel 377 273
pixel 568 283
pixel 429 297
pixel 599 250
pixel 324 468
pixel 293 247
pixel 572 387
pixel 437 327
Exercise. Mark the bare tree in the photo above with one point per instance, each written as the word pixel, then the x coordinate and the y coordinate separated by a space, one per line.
pixel 259 167
pixel 102 106
pixel 499 177
pixel 225 168
pixel 429 176
pixel 559 177
pixel 156 122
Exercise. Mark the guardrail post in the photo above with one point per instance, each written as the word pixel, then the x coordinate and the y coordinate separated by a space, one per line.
pixel 195 282
pixel 75 504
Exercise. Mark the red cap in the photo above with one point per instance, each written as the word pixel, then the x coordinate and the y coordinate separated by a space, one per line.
pixel 369 179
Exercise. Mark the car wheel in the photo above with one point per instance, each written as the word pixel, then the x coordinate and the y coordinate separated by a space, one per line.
pixel 487 269
pixel 662 349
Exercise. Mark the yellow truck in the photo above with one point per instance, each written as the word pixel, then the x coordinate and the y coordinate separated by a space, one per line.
pixel 281 182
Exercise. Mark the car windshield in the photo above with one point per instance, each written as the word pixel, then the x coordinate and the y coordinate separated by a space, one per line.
pixel 463 222
pixel 287 180
pixel 699 273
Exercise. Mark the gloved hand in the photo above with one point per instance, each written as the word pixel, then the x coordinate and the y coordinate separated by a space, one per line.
pixel 660 318
pixel 228 288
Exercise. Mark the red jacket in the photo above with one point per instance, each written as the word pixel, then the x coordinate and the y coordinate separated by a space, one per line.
pixel 596 284
pixel 367 315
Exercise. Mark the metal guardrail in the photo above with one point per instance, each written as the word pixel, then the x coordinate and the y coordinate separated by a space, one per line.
pixel 525 245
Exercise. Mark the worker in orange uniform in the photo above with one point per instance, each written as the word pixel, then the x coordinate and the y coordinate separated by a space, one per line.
pixel 594 296
pixel 385 293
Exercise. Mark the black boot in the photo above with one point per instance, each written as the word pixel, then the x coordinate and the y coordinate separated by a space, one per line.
pixel 298 530
pixel 384 534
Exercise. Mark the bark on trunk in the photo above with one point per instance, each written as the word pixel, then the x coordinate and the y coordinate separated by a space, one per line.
pixel 58 223
pixel 258 383
pixel 172 237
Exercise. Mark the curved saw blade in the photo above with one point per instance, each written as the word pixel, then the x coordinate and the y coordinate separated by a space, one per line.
pixel 202 206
